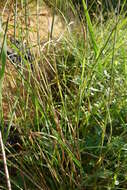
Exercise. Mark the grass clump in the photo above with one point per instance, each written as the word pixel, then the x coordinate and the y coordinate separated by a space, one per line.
pixel 67 110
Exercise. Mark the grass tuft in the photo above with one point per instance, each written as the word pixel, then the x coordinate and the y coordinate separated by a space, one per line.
pixel 64 98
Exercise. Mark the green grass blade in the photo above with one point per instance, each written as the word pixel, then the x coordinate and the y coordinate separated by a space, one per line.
pixel 90 27
pixel 3 54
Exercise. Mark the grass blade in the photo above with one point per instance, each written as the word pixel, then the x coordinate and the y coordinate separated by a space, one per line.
pixel 90 27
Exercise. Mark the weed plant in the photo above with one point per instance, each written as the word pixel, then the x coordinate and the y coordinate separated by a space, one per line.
pixel 67 118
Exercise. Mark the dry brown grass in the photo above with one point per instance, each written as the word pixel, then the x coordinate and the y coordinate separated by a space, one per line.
pixel 39 22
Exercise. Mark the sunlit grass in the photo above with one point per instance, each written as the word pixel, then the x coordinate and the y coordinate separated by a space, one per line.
pixel 67 110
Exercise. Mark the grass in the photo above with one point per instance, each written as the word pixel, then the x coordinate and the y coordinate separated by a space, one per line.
pixel 65 127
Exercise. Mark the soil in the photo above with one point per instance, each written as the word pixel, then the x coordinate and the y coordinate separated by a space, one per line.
pixel 36 27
